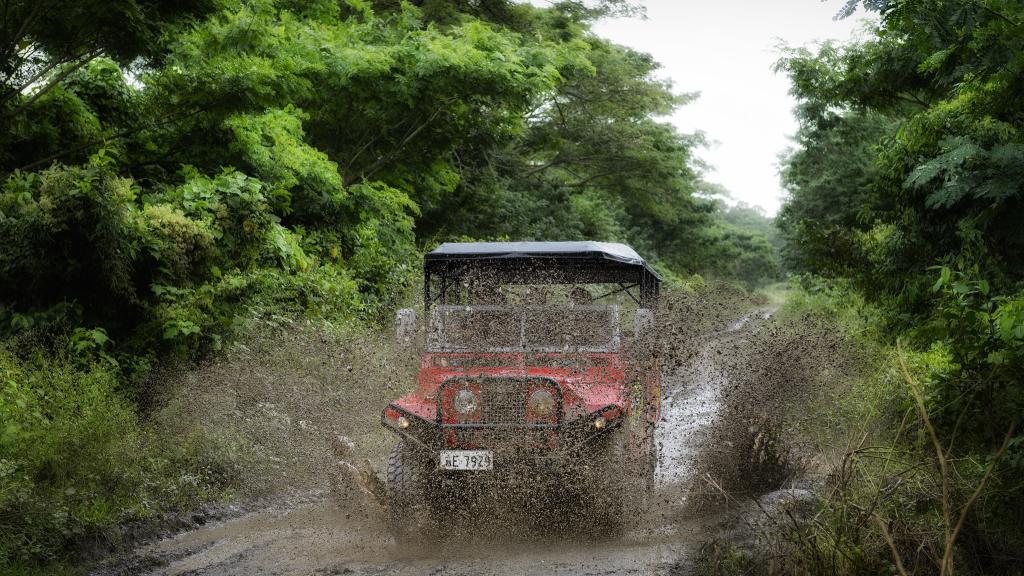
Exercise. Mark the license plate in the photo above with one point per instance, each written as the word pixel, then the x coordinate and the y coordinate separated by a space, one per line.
pixel 467 460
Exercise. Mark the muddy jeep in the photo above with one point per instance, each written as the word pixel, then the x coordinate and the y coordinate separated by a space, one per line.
pixel 526 374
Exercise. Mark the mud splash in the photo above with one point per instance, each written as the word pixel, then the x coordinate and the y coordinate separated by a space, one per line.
pixel 693 409
pixel 280 400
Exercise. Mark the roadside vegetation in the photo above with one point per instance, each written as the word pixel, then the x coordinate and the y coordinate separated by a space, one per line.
pixel 904 228
pixel 177 175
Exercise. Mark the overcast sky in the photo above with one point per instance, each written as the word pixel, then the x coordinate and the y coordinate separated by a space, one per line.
pixel 724 49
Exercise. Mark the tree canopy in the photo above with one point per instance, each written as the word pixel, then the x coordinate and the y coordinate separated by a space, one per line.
pixel 212 147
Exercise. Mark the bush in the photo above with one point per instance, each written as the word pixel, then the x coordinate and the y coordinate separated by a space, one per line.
pixel 74 458
pixel 68 238
pixel 175 271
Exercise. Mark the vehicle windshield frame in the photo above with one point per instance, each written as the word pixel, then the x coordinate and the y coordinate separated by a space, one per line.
pixel 437 344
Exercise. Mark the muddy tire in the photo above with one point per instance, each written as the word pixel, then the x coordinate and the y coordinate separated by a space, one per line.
pixel 409 489
pixel 621 481
pixel 607 485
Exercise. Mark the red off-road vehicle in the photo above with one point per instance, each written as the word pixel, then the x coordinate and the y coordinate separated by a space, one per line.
pixel 526 369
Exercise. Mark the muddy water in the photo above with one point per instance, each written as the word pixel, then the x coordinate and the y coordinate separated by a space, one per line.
pixel 692 406
pixel 689 413
pixel 318 535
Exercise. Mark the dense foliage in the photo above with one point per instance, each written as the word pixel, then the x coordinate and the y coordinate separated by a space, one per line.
pixel 302 143
pixel 906 180
pixel 170 170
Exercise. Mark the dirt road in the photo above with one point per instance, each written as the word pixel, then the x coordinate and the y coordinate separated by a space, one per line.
pixel 313 534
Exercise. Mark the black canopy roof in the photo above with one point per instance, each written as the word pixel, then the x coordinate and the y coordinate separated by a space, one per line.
pixel 613 255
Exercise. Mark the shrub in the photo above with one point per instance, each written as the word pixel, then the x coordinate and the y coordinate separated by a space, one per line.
pixel 68 237
pixel 74 458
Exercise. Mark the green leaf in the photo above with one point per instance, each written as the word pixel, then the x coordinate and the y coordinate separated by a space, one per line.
pixel 943 280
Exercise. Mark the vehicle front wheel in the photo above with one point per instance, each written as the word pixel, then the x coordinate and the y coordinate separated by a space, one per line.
pixel 409 490
pixel 605 489
pixel 621 481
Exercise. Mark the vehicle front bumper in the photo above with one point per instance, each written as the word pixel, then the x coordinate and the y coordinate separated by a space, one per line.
pixel 525 440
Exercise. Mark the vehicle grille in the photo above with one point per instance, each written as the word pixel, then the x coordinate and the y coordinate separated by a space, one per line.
pixel 502 400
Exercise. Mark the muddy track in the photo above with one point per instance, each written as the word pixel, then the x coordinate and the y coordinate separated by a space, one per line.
pixel 315 534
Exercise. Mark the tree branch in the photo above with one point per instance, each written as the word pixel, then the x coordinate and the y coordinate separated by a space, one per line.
pixel 116 136
pixel 554 162
pixel 87 57
pixel 947 559
pixel 892 545
pixel 912 99
pixel 996 13
pixel 6 7
pixel 379 162
pixel 940 454
pixel 34 15
pixel 20 89
pixel 591 178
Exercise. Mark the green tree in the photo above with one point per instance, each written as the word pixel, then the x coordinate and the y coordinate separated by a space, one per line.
pixel 829 172
pixel 745 246
pixel 43 44
pixel 591 162
pixel 928 113
pixel 945 173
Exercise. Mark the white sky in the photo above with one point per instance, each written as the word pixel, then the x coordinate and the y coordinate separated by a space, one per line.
pixel 724 49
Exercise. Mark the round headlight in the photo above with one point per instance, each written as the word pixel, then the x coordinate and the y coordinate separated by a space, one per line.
pixel 542 403
pixel 465 401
